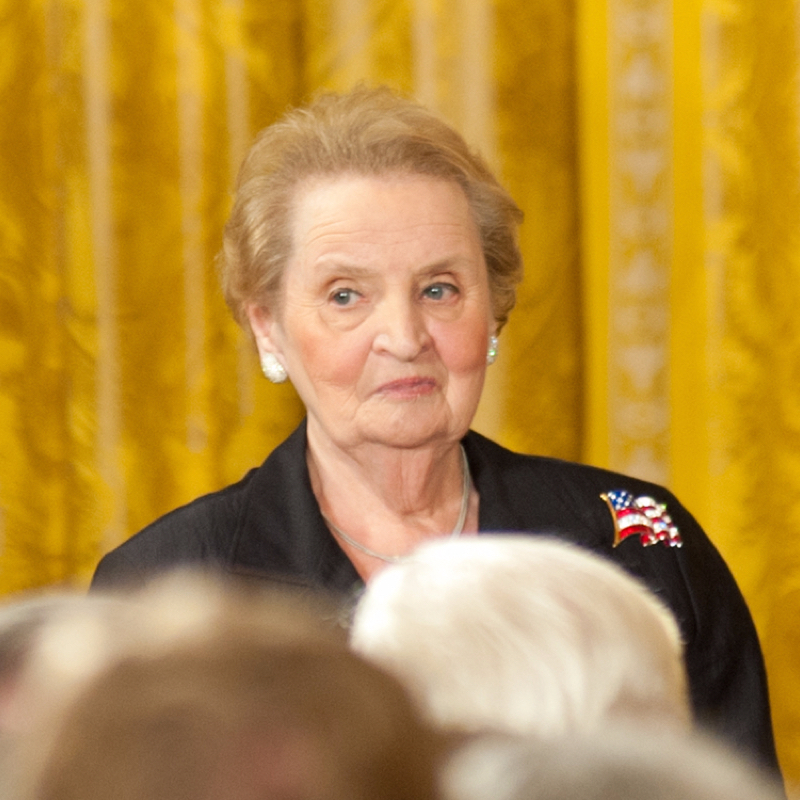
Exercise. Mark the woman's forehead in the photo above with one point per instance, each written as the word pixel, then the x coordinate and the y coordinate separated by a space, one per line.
pixel 384 209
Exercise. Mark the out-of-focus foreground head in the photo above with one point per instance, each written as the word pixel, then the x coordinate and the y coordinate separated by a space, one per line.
pixel 53 643
pixel 223 695
pixel 619 764
pixel 22 620
pixel 523 634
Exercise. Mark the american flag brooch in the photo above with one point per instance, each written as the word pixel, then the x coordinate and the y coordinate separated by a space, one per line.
pixel 642 516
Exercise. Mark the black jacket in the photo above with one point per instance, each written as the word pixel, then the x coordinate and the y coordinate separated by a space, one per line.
pixel 269 525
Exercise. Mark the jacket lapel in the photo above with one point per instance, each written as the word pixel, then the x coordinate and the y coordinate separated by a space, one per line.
pixel 280 531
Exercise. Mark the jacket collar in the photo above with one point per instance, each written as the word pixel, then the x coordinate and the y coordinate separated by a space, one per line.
pixel 280 525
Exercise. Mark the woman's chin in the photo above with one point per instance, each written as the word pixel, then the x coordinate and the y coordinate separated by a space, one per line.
pixel 410 430
pixel 404 426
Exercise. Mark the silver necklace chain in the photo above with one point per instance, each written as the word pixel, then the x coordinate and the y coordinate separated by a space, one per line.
pixel 454 534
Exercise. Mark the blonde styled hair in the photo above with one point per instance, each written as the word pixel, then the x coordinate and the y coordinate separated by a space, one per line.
pixel 368 132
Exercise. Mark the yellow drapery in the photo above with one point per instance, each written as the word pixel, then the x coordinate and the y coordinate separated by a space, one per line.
pixel 653 145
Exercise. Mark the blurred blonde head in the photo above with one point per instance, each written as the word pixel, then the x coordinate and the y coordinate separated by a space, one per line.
pixel 523 634
pixel 29 680
pixel 227 695
pixel 76 636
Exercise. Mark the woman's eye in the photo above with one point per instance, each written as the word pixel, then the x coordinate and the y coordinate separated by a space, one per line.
pixel 343 297
pixel 440 291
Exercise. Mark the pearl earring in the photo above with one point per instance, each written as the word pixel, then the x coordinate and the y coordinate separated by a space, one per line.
pixel 272 368
pixel 491 353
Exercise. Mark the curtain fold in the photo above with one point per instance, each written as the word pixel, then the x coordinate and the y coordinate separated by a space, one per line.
pixel 751 194
pixel 654 146
pixel 690 153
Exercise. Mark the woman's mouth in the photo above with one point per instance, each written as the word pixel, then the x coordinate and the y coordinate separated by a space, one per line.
pixel 407 388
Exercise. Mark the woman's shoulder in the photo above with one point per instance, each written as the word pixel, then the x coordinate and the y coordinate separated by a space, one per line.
pixel 199 531
pixel 546 474
pixel 639 524
pixel 209 529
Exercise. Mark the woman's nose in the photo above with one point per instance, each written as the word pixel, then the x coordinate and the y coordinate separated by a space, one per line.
pixel 401 330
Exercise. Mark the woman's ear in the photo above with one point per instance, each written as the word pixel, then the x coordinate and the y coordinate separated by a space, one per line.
pixel 264 327
pixel 266 332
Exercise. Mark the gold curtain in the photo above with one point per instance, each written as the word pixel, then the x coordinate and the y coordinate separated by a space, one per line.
pixel 690 186
pixel 653 145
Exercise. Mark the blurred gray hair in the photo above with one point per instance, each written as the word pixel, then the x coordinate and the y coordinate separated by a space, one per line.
pixel 523 634
pixel 621 764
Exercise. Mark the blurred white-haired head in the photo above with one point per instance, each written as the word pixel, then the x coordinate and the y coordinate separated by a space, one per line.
pixel 523 634
pixel 623 763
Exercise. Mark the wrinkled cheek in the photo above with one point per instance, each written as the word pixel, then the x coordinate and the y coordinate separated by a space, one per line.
pixel 332 364
pixel 463 347
pixel 467 358
pixel 467 372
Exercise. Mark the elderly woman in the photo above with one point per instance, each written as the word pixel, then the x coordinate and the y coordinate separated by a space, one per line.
pixel 374 259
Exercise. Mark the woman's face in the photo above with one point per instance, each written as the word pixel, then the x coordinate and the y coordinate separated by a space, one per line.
pixel 384 314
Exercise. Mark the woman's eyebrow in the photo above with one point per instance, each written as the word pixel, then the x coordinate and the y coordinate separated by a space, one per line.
pixel 443 265
pixel 331 266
